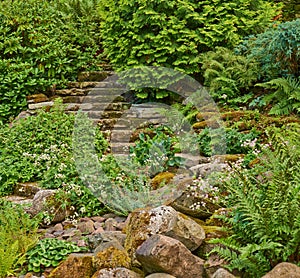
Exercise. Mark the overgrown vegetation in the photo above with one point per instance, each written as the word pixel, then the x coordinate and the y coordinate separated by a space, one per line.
pixel 39 148
pixel 43 44
pixel 264 207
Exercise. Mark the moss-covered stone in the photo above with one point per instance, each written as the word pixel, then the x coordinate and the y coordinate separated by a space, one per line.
pixel 161 179
pixel 112 257
pixel 76 265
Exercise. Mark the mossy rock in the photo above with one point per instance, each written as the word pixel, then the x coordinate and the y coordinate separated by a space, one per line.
pixel 76 265
pixel 161 179
pixel 112 257
pixel 208 123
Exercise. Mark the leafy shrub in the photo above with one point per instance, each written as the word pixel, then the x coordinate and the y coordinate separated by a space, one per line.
pixel 265 208
pixel 227 74
pixel 18 233
pixel 42 46
pixel 285 98
pixel 173 34
pixel 277 50
pixel 49 252
pixel 157 152
pixel 39 148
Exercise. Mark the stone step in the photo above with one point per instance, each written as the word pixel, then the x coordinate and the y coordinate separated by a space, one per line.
pixel 101 106
pixel 120 148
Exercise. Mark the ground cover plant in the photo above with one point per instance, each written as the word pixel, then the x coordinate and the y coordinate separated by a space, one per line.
pixel 39 148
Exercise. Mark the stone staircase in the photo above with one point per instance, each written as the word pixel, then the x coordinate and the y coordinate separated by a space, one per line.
pixel 105 102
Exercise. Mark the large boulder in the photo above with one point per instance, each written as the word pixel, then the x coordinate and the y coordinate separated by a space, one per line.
pixel 284 270
pixel 45 201
pixel 162 220
pixel 160 253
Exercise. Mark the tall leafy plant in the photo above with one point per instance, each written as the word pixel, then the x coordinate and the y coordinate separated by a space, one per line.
pixel 284 94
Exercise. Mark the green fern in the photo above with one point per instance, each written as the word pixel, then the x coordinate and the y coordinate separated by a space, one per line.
pixel 285 98
pixel 265 202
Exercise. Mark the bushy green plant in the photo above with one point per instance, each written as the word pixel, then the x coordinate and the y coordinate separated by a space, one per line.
pixel 284 95
pixel 157 152
pixel 228 75
pixel 265 208
pixel 18 233
pixel 277 50
pixel 42 46
pixel 49 252
pixel 173 33
pixel 39 148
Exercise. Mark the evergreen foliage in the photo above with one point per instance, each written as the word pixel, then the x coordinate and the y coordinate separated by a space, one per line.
pixel 174 33
pixel 228 75
pixel 277 50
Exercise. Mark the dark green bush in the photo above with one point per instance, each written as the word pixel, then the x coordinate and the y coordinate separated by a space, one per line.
pixel 174 33
pixel 42 44
pixel 277 50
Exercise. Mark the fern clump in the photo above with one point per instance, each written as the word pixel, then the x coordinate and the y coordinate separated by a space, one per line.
pixel 265 208
pixel 18 233
pixel 284 95
pixel 228 75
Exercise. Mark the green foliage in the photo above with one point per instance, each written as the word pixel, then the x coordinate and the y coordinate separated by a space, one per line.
pixel 277 50
pixel 39 148
pixel 158 152
pixel 18 233
pixel 236 142
pixel 284 95
pixel 49 252
pixel 227 74
pixel 43 45
pixel 265 207
pixel 173 33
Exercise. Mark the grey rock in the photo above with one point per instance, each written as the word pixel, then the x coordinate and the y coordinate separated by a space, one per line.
pixel 204 170
pixel 222 273
pixel 106 236
pixel 119 272
pixel 160 275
